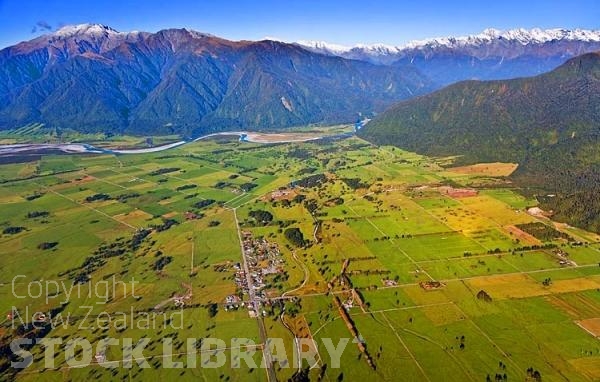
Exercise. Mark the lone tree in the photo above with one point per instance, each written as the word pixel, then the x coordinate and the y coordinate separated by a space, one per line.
pixel 47 245
pixel 483 295
pixel 212 310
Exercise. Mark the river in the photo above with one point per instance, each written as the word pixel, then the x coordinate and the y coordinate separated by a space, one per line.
pixel 80 148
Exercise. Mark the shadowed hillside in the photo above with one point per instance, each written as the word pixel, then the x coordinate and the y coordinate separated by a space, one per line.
pixel 93 78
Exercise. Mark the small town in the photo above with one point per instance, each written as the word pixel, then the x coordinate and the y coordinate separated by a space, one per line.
pixel 262 258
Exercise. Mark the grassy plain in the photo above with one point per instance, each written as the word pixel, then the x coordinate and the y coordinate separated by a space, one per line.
pixel 379 208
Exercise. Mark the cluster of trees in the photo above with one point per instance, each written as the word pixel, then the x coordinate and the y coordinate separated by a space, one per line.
pixel 47 245
pixel 247 187
pixel 186 187
pixel 311 205
pixel 293 307
pixel 164 170
pixel 302 375
pixel 461 340
pixel 161 263
pixel 167 223
pixel 261 217
pixel 124 197
pixel 221 185
pixel 191 196
pixel 337 201
pixel 355 183
pixel 138 238
pixel 542 231
pixel 34 196
pixel 300 154
pixel 37 214
pixel 204 203
pixel 295 236
pixel 28 330
pixel 533 247
pixel 571 173
pixel 497 378
pixel 12 230
pixel 299 198
pixel 536 375
pixel 98 197
pixel 307 170
pixel 105 251
pixel 312 181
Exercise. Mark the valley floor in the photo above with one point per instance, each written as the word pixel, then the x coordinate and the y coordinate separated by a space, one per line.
pixel 442 274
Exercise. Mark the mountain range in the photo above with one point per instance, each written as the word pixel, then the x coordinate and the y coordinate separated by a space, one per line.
pixel 92 78
pixel 492 54
pixel 187 82
pixel 548 124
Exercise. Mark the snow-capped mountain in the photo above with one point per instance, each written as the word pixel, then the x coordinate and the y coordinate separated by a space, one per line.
pixel 492 54
pixel 86 30
pixel 374 49
pixel 479 44
pixel 76 40
pixel 375 53
pixel 492 36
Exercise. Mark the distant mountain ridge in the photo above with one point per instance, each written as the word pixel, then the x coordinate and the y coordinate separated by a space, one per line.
pixel 490 37
pixel 91 77
pixel 492 54
pixel 549 124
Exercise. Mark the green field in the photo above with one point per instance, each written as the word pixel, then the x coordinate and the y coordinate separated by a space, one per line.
pixel 74 218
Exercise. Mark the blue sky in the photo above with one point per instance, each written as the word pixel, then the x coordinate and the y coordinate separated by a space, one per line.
pixel 344 22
